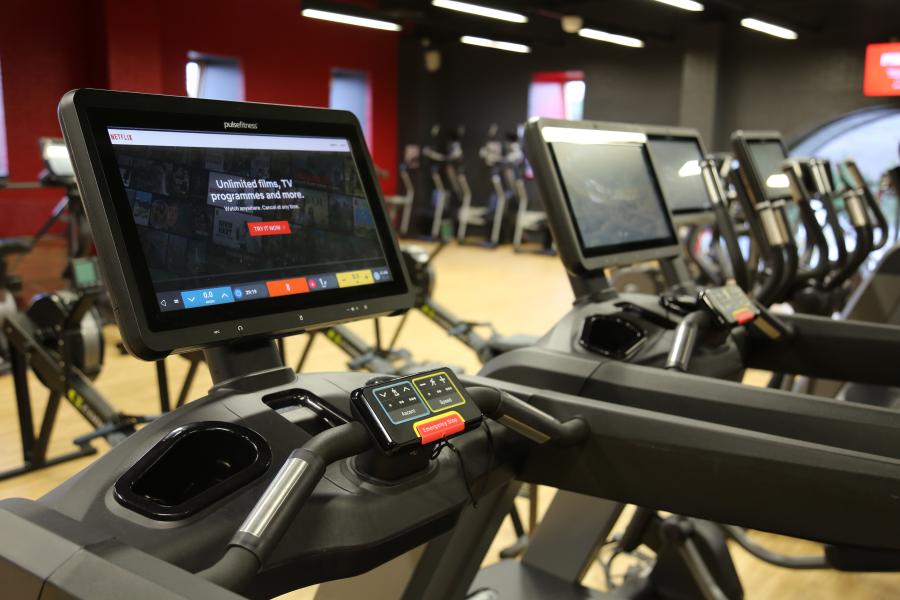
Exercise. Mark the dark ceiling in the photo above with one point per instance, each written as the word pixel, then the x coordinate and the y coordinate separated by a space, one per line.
pixel 869 20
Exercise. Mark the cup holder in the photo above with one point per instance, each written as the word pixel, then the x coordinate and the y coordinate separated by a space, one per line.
pixel 191 468
pixel 612 336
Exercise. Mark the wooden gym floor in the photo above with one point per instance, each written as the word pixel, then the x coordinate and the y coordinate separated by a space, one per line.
pixel 518 293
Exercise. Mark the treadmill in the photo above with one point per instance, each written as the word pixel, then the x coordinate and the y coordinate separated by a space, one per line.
pixel 274 481
pixel 602 350
pixel 874 297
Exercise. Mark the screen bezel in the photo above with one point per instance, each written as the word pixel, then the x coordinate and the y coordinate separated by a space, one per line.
pixel 579 260
pixel 85 116
pixel 749 170
pixel 679 134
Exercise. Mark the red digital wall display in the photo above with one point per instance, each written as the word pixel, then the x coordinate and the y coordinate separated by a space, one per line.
pixel 882 76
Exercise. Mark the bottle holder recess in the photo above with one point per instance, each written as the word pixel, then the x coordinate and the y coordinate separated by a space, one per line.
pixel 612 336
pixel 191 468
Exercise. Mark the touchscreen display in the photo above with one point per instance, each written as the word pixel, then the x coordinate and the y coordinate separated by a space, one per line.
pixel 226 218
pixel 613 197
pixel 767 157
pixel 677 163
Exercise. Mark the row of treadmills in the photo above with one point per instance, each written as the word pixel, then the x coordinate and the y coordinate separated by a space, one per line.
pixel 395 487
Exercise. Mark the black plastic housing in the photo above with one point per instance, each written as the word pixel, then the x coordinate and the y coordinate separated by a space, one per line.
pixel 417 410
pixel 84 115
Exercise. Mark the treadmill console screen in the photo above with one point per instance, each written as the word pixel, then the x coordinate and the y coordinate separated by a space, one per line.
pixel 677 164
pixel 767 156
pixel 225 218
pixel 614 198
pixel 600 193
pixel 221 220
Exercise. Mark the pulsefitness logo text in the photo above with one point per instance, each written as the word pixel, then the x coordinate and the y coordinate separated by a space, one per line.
pixel 240 125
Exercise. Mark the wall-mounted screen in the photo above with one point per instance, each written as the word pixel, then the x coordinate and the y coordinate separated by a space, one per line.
pixel 882 74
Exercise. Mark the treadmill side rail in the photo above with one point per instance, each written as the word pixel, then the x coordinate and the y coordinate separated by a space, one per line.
pixel 827 348
pixel 51 556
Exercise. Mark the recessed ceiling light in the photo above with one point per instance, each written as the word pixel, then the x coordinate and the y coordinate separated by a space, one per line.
pixel 764 27
pixel 486 43
pixel 683 4
pixel 612 38
pixel 334 17
pixel 481 11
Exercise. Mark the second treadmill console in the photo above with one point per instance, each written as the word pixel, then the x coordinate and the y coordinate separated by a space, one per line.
pixel 416 410
pixel 602 196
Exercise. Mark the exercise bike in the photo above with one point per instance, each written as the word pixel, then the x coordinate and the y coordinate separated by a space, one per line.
pixel 60 339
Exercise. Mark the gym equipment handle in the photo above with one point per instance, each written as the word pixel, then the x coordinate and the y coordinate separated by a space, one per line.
pixel 528 421
pixel 279 505
pixel 685 339
pixel 859 182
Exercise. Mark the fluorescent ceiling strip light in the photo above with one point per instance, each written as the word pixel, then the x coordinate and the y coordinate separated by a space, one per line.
pixel 612 38
pixel 334 17
pixel 576 135
pixel 486 43
pixel 683 4
pixel 481 11
pixel 764 27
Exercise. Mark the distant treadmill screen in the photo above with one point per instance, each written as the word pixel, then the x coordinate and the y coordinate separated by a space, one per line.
pixel 767 157
pixel 226 218
pixel 614 201
pixel 677 164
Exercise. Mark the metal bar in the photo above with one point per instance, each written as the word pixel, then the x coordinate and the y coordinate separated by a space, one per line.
pixel 23 401
pixel 39 453
pixel 188 380
pixel 162 380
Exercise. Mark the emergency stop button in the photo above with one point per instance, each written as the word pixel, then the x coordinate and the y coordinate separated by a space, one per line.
pixel 744 316
pixel 435 428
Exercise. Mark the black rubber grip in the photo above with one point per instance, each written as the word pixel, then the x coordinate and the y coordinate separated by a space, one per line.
pixel 527 420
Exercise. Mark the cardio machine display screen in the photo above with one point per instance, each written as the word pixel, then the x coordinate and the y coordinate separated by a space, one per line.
pixel 767 156
pixel 677 164
pixel 613 197
pixel 230 220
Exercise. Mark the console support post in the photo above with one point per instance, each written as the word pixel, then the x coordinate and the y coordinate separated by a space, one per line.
pixel 240 359
pixel 590 289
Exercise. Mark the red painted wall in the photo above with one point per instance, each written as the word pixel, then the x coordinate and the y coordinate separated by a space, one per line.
pixel 286 58
pixel 46 48
pixel 50 46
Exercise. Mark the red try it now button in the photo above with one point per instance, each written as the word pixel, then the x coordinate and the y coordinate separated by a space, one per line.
pixel 268 228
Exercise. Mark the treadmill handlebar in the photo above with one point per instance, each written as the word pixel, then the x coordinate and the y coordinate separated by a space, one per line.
pixel 528 421
pixel 856 209
pixel 685 341
pixel 279 505
pixel 719 200
pixel 859 183
pixel 814 233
